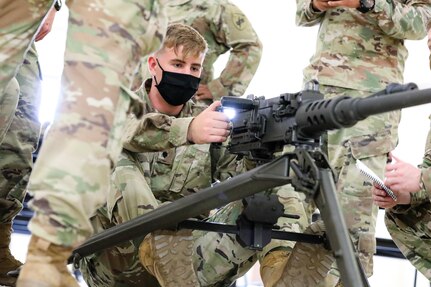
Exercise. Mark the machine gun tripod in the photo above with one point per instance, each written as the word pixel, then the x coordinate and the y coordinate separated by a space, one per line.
pixel 262 129
pixel 313 176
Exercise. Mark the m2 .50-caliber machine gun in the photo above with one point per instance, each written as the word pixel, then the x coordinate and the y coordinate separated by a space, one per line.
pixel 261 128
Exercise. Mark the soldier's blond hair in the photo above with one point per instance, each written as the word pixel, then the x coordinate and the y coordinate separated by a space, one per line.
pixel 178 35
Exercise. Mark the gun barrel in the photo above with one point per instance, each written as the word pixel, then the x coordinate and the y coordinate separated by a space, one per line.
pixel 315 117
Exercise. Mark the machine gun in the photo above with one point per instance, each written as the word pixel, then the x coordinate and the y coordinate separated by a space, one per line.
pixel 261 128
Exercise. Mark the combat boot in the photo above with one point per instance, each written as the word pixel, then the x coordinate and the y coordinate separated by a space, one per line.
pixel 272 266
pixel 308 264
pixel 168 256
pixel 46 265
pixel 7 261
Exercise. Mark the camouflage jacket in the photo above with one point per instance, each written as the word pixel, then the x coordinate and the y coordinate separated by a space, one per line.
pixel 179 171
pixel 426 172
pixel 363 51
pixel 225 28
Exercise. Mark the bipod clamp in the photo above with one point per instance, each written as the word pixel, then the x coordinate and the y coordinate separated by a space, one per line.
pixel 255 224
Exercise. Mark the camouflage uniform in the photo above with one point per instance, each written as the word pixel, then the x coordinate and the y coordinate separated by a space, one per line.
pixel 19 21
pixel 225 28
pixel 143 181
pixel 409 225
pixel 358 54
pixel 8 102
pixel 16 157
pixel 71 176
pixel 21 140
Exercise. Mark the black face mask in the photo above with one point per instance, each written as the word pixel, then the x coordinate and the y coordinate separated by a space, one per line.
pixel 177 88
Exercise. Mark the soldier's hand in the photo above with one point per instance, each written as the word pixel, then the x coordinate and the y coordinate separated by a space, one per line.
pixel 402 177
pixel 321 5
pixel 203 93
pixel 46 26
pixel 382 199
pixel 210 126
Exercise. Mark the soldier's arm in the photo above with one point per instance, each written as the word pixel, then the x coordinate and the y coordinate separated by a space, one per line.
pixel 155 132
pixel 236 32
pixel 306 15
pixel 158 132
pixel 402 21
pixel 404 179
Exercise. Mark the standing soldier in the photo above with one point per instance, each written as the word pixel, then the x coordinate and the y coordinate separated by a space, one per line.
pixel 16 158
pixel 19 22
pixel 360 49
pixel 16 150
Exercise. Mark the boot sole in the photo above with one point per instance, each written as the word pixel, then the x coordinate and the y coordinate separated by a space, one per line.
pixel 308 264
pixel 174 255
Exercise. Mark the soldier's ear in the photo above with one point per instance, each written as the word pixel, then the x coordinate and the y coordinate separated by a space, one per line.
pixel 152 64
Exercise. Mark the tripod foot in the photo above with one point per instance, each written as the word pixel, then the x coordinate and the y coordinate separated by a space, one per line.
pixel 308 264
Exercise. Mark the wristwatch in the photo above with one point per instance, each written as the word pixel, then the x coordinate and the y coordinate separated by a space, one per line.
pixel 57 5
pixel 366 5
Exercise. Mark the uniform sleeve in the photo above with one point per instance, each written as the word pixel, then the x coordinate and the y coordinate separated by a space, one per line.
pixel 417 199
pixel 306 15
pixel 155 132
pixel 237 33
pixel 426 179
pixel 402 21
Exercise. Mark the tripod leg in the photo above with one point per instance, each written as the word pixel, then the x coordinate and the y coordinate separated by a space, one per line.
pixel 341 244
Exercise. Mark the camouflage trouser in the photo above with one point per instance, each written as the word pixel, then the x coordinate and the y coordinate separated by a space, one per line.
pixel 370 141
pixel 8 104
pixel 20 140
pixel 19 21
pixel 411 231
pixel 219 259
pixel 71 175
